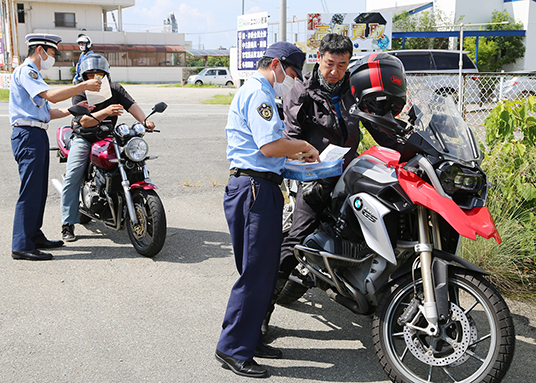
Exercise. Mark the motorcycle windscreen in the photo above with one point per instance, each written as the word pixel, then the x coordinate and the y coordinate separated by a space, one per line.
pixel 442 126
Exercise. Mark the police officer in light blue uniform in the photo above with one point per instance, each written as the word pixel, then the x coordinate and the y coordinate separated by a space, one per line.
pixel 29 114
pixel 85 44
pixel 253 204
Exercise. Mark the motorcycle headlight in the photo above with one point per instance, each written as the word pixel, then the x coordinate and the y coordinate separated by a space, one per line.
pixel 136 149
pixel 139 129
pixel 455 178
pixel 122 129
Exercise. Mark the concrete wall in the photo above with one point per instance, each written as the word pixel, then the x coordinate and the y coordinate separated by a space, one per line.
pixel 126 74
pixel 41 16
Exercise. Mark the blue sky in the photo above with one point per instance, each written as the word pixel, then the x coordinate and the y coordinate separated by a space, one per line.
pixel 212 23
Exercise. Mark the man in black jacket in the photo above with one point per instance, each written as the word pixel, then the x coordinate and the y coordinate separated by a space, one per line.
pixel 317 111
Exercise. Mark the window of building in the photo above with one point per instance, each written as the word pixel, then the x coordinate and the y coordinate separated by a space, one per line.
pixel 138 58
pixel 64 20
pixel 20 13
pixel 124 56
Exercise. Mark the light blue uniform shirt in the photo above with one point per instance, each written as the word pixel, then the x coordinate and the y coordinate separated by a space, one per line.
pixel 24 100
pixel 252 123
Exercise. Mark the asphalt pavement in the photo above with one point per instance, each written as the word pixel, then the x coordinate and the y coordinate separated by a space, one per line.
pixel 100 312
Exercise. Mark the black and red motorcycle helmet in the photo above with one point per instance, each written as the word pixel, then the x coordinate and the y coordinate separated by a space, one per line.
pixel 378 83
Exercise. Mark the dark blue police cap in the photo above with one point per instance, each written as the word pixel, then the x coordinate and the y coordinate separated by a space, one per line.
pixel 287 53
pixel 43 39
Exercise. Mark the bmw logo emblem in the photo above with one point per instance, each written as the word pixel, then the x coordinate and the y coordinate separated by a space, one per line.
pixel 358 204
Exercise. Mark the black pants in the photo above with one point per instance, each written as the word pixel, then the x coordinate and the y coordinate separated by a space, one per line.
pixel 305 220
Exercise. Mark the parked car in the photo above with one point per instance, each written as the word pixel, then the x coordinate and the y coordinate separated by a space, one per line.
pixel 436 64
pixel 217 76
pixel 435 61
pixel 521 86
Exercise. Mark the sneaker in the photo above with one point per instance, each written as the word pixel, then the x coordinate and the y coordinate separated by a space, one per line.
pixel 67 232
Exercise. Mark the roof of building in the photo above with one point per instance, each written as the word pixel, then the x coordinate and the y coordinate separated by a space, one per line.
pixel 411 8
pixel 147 48
pixel 208 52
pixel 117 47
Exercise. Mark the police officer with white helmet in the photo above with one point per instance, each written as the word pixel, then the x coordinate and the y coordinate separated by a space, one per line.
pixel 29 114
pixel 85 44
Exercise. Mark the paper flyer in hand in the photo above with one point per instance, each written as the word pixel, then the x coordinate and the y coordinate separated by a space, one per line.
pixel 333 153
pixel 94 98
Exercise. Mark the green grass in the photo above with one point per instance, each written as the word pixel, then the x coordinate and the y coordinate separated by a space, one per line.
pixel 202 86
pixel 512 264
pixel 174 85
pixel 4 94
pixel 220 99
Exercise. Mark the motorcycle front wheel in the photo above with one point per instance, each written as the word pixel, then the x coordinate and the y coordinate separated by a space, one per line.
pixel 149 235
pixel 475 344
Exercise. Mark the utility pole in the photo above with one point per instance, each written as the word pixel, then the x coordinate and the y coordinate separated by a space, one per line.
pixel 283 21
pixel 11 21
pixel 3 31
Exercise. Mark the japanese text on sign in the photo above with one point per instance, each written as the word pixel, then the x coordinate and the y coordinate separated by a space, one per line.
pixel 252 41
pixel 368 31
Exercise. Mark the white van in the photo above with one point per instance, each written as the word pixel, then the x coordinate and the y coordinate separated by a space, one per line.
pixel 217 76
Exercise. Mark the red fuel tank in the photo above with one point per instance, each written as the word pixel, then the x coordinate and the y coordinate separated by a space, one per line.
pixel 101 154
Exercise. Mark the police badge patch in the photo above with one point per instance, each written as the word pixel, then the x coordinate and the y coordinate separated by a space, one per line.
pixel 33 74
pixel 265 111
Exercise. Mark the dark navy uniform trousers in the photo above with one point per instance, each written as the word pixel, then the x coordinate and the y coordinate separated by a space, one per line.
pixel 31 150
pixel 253 209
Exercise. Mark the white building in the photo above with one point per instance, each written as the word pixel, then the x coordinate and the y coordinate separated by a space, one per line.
pixel 133 56
pixel 475 12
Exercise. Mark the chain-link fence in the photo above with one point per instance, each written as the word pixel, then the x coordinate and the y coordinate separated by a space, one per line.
pixel 482 92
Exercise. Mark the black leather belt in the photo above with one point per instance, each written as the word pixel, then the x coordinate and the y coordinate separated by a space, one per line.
pixel 269 176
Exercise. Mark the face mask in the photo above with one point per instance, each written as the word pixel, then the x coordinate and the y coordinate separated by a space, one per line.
pixel 82 47
pixel 284 87
pixel 48 63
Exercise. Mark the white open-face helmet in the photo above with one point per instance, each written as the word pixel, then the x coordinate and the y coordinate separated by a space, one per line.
pixel 84 39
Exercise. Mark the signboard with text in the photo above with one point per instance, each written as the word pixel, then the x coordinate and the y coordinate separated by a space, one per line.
pixel 368 31
pixel 252 41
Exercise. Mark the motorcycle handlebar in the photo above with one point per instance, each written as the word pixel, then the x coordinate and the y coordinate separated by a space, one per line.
pixel 388 124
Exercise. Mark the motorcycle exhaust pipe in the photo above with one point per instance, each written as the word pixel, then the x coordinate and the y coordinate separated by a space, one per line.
pixel 349 303
pixel 57 184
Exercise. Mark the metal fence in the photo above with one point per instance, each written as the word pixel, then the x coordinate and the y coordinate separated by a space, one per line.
pixel 481 92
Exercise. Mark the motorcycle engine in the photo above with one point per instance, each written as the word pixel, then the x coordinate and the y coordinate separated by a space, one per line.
pixel 100 181
pixel 91 199
pixel 326 240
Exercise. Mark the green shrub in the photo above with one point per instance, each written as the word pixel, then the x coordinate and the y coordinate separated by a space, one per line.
pixel 510 164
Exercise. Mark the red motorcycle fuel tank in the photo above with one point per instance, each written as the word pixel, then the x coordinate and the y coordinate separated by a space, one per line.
pixel 102 152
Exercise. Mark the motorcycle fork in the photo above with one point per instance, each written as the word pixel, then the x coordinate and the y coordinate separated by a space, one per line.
pixel 424 248
pixel 126 186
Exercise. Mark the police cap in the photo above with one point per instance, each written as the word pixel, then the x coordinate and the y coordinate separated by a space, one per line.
pixel 287 53
pixel 43 39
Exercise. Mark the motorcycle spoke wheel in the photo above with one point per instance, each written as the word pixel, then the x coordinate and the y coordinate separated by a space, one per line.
pixel 149 234
pixel 475 344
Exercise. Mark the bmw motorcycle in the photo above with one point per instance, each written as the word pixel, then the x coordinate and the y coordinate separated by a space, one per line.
pixel 116 189
pixel 387 245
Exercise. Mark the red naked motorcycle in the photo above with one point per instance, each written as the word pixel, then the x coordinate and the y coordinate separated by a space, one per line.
pixel 116 189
